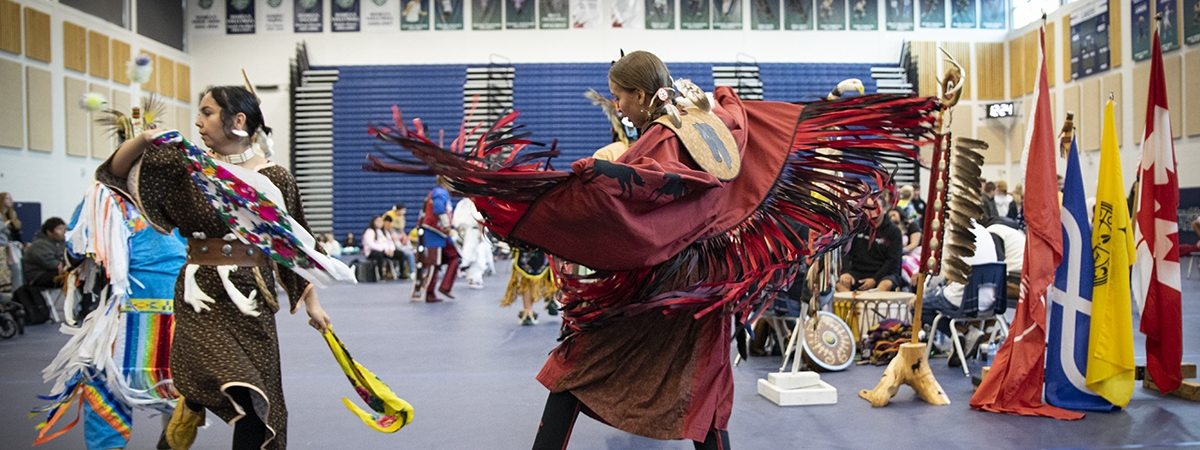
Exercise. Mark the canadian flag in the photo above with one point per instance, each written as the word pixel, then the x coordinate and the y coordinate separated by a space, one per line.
pixel 1157 237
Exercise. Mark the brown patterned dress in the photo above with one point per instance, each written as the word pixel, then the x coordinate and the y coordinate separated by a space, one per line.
pixel 220 347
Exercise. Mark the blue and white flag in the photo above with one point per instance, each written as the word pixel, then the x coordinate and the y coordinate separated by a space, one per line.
pixel 1071 303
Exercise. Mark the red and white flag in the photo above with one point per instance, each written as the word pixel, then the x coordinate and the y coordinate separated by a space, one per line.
pixel 1157 237
pixel 1014 384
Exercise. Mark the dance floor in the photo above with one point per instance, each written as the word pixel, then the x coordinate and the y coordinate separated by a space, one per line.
pixel 468 369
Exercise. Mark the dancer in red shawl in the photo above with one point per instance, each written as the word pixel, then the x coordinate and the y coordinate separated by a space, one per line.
pixel 691 239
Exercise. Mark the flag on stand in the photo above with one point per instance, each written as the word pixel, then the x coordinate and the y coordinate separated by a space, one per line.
pixel 1014 384
pixel 1071 303
pixel 1157 237
pixel 1110 353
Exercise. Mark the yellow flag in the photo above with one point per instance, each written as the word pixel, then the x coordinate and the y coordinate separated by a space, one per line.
pixel 1110 349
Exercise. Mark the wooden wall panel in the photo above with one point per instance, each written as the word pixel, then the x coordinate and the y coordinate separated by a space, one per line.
pixel 1191 102
pixel 997 138
pixel 151 85
pixel 12 120
pixel 183 82
pixel 1141 86
pixel 1066 48
pixel 103 142
pixel 10 27
pixel 1172 71
pixel 990 74
pixel 1016 137
pixel 39 111
pixel 37 35
pixel 963 124
pixel 1089 118
pixel 1115 39
pixel 1111 83
pixel 1016 68
pixel 184 119
pixel 77 118
pixel 1070 103
pixel 165 68
pixel 1031 52
pixel 98 59
pixel 74 47
pixel 927 56
pixel 1050 66
pixel 962 53
pixel 120 61
pixel 120 101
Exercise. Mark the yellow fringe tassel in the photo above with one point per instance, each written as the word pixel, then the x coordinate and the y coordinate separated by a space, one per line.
pixel 522 284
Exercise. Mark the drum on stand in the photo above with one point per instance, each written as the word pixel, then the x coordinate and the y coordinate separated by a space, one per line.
pixel 829 342
pixel 863 310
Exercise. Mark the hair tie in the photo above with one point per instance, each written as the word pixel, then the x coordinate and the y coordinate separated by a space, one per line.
pixel 662 94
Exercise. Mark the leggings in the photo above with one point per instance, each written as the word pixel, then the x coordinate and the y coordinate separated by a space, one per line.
pixel 558 419
pixel 249 432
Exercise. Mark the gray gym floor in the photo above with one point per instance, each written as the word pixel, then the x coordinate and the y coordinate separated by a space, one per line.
pixel 468 368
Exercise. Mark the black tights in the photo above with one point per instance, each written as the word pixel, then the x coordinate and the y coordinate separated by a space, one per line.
pixel 249 432
pixel 558 419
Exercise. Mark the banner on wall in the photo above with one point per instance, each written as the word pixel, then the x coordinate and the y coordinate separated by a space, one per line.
pixel 1168 32
pixel 962 14
pixel 385 15
pixel 585 13
pixel 520 14
pixel 900 15
pixel 205 17
pixel 413 17
pixel 694 15
pixel 727 14
pixel 1089 40
pixel 798 15
pixel 831 15
pixel 992 15
pixel 448 14
pixel 660 14
pixel 630 13
pixel 864 15
pixel 933 13
pixel 239 17
pixel 308 16
pixel 486 14
pixel 553 14
pixel 1141 25
pixel 1191 26
pixel 344 16
pixel 274 16
pixel 764 14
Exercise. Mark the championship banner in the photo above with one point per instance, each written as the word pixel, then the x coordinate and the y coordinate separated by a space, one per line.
pixel 1140 28
pixel 520 14
pixel 900 15
pixel 764 14
pixel 1071 303
pixel 962 14
pixel 205 17
pixel 1168 28
pixel 239 17
pixel 585 13
pixel 864 15
pixel 992 15
pixel 727 15
pixel 309 16
pixel 831 15
pixel 553 14
pixel 1191 27
pixel 274 16
pixel 344 16
pixel 385 15
pixel 694 15
pixel 486 14
pixel 448 14
pixel 629 13
pixel 1089 40
pixel 660 14
pixel 933 13
pixel 414 16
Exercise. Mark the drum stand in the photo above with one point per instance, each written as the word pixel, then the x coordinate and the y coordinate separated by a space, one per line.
pixel 796 387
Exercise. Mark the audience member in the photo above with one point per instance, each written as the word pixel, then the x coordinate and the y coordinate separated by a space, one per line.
pixel 329 244
pixel 942 296
pixel 910 230
pixel 1014 253
pixel 873 260
pixel 404 250
pixel 349 242
pixel 45 258
pixel 904 204
pixel 989 202
pixel 10 245
pixel 397 215
pixel 378 247
pixel 1002 198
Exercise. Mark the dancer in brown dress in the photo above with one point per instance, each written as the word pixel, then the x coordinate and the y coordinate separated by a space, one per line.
pixel 225 359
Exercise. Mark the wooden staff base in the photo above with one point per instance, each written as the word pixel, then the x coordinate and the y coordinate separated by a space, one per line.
pixel 911 367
